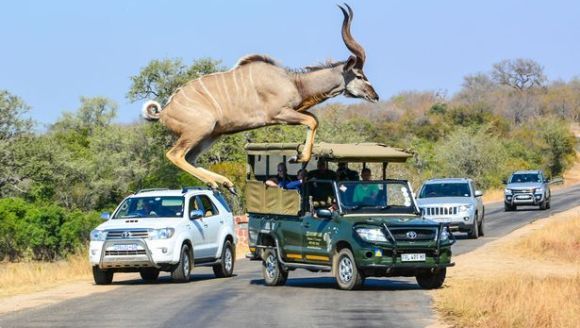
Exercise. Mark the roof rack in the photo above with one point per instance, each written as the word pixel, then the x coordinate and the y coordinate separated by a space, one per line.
pixel 151 189
pixel 186 189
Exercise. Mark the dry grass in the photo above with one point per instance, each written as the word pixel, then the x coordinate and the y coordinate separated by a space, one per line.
pixel 18 278
pixel 559 241
pixel 531 278
pixel 494 195
pixel 512 301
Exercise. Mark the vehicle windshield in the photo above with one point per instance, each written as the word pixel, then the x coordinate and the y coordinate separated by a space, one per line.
pixel 525 177
pixel 433 190
pixel 393 197
pixel 151 207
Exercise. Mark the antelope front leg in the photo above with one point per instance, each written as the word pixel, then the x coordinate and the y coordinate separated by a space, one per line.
pixel 292 117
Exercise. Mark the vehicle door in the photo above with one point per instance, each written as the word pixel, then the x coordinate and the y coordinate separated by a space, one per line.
pixel 316 242
pixel 212 223
pixel 289 232
pixel 197 228
pixel 478 200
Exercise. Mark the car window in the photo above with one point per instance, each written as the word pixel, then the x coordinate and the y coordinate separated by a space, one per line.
pixel 205 204
pixel 150 207
pixel 525 177
pixel 433 190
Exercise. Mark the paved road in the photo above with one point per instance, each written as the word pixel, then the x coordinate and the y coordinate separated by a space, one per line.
pixel 308 300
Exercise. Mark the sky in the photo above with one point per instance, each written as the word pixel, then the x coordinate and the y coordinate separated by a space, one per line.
pixel 54 52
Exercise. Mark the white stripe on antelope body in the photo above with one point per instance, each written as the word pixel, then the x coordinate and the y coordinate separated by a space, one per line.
pixel 255 93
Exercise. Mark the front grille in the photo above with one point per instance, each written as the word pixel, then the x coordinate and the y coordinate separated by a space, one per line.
pixel 522 191
pixel 127 234
pixel 125 253
pixel 440 210
pixel 422 234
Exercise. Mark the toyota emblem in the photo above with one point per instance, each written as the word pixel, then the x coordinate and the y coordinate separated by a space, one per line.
pixel 127 234
pixel 411 235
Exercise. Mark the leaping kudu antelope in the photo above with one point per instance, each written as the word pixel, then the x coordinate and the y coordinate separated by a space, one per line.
pixel 256 93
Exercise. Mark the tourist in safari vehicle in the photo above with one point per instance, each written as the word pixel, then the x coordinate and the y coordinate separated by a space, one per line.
pixel 353 228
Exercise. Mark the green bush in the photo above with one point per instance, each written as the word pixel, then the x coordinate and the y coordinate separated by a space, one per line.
pixel 41 232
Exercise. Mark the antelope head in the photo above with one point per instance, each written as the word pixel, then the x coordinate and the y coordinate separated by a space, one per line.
pixel 356 83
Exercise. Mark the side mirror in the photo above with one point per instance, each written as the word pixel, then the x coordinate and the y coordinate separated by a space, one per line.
pixel 478 193
pixel 195 214
pixel 547 180
pixel 105 215
pixel 504 181
pixel 324 213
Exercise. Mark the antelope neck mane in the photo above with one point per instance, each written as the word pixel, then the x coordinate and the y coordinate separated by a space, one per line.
pixel 269 60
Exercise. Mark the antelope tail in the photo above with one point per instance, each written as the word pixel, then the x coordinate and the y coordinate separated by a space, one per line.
pixel 151 110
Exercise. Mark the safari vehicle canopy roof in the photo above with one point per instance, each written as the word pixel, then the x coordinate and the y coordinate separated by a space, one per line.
pixel 358 152
pixel 267 200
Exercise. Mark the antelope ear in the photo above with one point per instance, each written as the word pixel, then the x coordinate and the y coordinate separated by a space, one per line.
pixel 350 62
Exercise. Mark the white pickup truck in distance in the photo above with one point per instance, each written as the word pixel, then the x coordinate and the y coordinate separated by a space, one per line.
pixel 165 230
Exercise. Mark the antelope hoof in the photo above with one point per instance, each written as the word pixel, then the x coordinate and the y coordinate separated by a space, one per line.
pixel 212 185
pixel 300 158
pixel 233 191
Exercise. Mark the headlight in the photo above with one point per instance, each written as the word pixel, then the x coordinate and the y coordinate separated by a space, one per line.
pixel 539 190
pixel 371 234
pixel 465 208
pixel 444 234
pixel 164 233
pixel 98 235
pixel 507 191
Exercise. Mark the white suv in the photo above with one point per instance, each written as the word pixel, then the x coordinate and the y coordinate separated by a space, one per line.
pixel 165 230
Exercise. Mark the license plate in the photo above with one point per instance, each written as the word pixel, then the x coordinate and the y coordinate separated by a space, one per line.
pixel 412 257
pixel 524 197
pixel 124 247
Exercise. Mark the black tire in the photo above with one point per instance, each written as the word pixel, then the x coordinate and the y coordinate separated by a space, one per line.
pixel 102 277
pixel 481 227
pixel 149 274
pixel 507 207
pixel 430 280
pixel 272 271
pixel 544 204
pixel 474 233
pixel 226 266
pixel 549 205
pixel 182 271
pixel 347 275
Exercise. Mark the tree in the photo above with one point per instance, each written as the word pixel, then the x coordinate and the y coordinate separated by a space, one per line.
pixel 15 131
pixel 520 74
pixel 160 78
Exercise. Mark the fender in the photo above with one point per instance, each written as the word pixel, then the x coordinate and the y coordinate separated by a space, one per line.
pixel 224 232
pixel 179 240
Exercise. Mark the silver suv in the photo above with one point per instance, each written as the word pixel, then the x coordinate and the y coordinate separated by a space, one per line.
pixel 454 201
pixel 527 188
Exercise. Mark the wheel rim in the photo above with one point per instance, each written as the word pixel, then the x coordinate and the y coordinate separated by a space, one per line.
pixel 186 263
pixel 271 266
pixel 345 269
pixel 228 259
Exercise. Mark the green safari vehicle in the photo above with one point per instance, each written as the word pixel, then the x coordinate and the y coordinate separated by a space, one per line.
pixel 352 228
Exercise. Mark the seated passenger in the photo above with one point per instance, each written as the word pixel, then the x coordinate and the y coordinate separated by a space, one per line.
pixel 301 177
pixel 322 172
pixel 281 179
pixel 345 174
pixel 365 193
pixel 148 209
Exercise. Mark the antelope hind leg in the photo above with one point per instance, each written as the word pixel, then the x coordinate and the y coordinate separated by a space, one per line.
pixel 180 150
pixel 220 180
